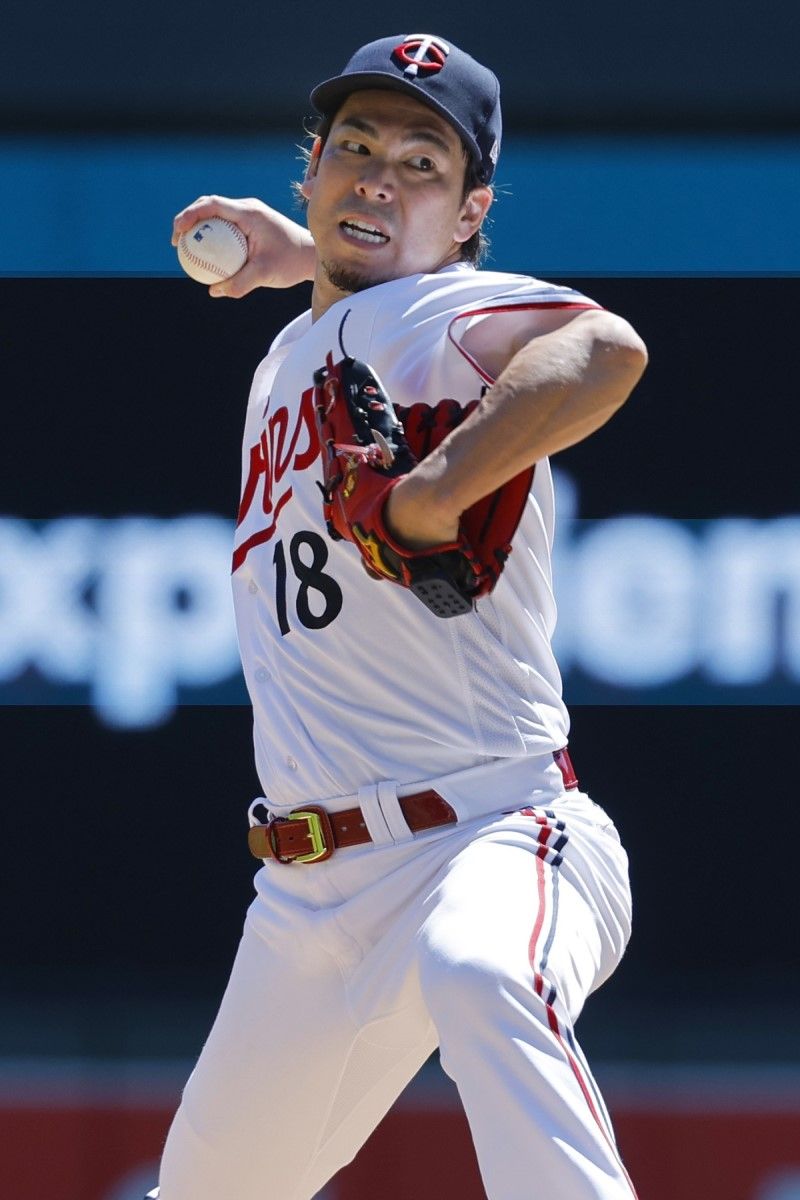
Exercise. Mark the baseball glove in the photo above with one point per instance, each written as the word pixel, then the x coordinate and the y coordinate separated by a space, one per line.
pixel 366 450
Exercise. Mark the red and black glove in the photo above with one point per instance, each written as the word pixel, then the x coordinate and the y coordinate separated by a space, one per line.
pixel 366 451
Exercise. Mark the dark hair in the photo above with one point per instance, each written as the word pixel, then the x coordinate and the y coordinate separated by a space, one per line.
pixel 473 251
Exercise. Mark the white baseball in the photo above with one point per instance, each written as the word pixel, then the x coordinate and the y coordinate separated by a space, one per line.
pixel 212 250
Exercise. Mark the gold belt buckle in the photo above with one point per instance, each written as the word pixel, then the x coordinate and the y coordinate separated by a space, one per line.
pixel 319 831
pixel 263 839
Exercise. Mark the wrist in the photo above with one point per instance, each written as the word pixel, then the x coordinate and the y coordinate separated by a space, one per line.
pixel 307 256
pixel 415 515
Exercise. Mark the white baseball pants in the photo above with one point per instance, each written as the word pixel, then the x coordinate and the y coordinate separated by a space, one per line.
pixel 485 939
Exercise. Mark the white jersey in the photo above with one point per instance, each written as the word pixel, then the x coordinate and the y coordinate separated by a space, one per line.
pixel 354 681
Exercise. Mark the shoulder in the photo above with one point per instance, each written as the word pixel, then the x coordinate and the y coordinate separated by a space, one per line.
pixel 461 293
pixel 292 332
pixel 468 288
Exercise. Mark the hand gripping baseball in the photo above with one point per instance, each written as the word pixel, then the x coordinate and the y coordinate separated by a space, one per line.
pixel 365 454
pixel 280 253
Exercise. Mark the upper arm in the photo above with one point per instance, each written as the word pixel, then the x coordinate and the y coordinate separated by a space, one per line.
pixel 492 339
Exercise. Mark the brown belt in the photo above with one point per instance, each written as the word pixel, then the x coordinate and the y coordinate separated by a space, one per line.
pixel 311 834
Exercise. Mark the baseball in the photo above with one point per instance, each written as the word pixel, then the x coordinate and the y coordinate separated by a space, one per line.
pixel 212 250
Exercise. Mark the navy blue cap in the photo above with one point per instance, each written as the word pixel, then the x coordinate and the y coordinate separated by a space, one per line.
pixel 436 73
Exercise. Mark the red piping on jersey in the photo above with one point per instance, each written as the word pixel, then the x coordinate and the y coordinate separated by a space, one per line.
pixel 503 308
pixel 552 1018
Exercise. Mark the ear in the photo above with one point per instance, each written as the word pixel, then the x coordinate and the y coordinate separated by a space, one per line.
pixel 473 211
pixel 306 187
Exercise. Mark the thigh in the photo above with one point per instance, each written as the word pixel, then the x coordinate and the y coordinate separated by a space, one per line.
pixel 513 944
pixel 537 891
pixel 496 910
pixel 289 1083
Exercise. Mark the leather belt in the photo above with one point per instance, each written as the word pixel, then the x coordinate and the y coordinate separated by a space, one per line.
pixel 311 834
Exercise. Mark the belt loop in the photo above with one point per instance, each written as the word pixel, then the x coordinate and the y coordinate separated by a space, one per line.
pixel 376 823
pixel 564 764
pixel 393 813
pixel 252 819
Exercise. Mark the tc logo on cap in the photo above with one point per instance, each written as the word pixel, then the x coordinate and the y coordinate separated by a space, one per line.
pixel 421 54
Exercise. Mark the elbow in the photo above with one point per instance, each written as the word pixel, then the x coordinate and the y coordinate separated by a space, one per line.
pixel 630 361
pixel 614 336
pixel 632 352
pixel 622 353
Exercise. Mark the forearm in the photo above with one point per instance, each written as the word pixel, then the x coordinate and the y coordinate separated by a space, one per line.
pixel 555 391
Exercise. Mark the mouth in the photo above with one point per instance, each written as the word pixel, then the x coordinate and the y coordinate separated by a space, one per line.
pixel 363 231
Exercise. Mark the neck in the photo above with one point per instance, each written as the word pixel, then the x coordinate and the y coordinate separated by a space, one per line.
pixel 332 283
pixel 324 294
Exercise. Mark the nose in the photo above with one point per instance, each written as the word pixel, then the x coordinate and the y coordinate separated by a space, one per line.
pixel 375 181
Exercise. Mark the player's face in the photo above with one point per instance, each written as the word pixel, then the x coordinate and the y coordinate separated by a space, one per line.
pixel 386 195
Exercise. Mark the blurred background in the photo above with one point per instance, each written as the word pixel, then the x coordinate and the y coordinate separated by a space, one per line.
pixel 651 159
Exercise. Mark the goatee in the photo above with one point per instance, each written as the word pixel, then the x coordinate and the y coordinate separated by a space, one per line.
pixel 345 279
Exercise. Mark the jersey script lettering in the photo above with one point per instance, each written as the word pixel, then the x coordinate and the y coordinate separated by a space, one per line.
pixel 269 460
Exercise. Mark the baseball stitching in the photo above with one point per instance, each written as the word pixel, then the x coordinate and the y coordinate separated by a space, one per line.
pixel 207 263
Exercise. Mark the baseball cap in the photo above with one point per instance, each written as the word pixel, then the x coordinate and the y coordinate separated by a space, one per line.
pixel 436 73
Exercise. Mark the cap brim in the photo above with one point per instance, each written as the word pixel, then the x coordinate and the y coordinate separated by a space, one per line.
pixel 327 97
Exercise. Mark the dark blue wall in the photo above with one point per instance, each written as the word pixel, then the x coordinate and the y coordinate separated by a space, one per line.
pixel 210 67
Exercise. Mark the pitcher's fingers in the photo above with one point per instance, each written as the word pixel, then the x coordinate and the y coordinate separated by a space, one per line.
pixel 241 284
pixel 200 210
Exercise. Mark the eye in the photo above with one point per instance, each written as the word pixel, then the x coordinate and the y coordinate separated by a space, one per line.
pixel 354 147
pixel 421 162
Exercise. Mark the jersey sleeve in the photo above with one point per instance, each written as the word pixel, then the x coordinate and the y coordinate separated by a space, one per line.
pixel 527 296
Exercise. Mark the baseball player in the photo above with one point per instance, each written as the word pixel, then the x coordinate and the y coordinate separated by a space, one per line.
pixel 432 875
